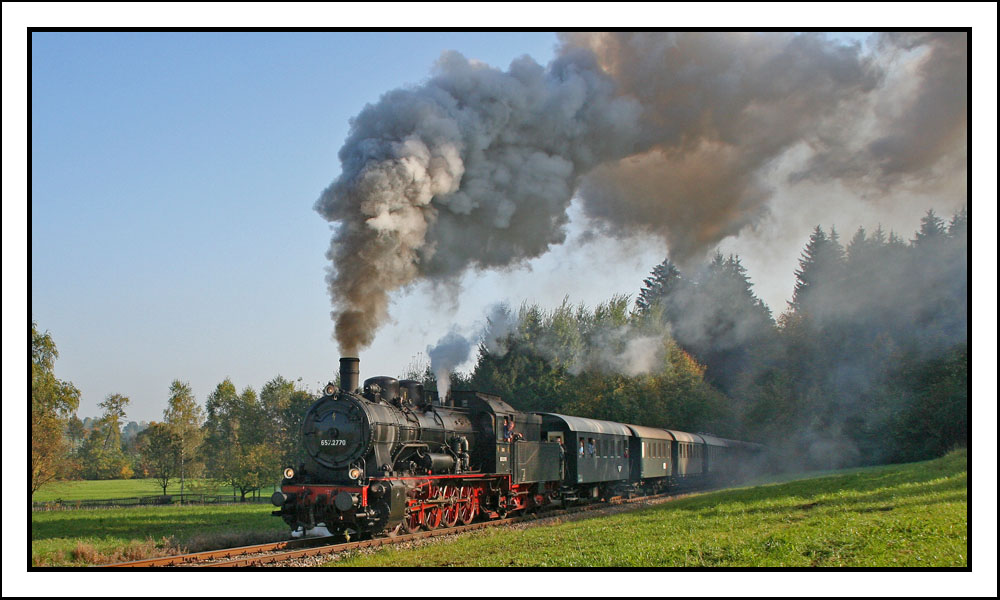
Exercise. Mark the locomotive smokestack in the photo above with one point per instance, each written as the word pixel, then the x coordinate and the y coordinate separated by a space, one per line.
pixel 350 373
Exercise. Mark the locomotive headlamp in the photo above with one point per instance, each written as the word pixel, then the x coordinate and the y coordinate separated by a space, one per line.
pixel 330 389
pixel 289 473
pixel 354 473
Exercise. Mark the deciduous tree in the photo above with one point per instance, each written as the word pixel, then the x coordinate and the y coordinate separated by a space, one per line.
pixel 160 448
pixel 52 402
pixel 185 416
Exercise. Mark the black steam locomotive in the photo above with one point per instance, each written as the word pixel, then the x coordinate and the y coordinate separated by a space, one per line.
pixel 392 457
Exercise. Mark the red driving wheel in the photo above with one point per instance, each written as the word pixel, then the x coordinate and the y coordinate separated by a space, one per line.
pixel 433 517
pixel 411 522
pixel 466 506
pixel 450 518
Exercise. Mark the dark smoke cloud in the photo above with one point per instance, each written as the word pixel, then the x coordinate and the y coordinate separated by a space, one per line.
pixel 475 169
pixel 919 122
pixel 674 135
pixel 719 110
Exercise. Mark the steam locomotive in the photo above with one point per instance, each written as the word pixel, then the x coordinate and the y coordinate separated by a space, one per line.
pixel 390 457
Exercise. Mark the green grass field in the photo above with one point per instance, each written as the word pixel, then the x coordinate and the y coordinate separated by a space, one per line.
pixel 94 536
pixel 125 488
pixel 912 515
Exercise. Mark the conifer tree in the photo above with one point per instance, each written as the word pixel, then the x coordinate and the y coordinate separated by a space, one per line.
pixel 932 230
pixel 664 277
pixel 820 270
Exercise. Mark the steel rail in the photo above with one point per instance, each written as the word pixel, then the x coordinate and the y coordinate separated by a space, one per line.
pixel 177 560
pixel 231 556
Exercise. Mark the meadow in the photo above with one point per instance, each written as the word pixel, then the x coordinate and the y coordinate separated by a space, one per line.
pixel 122 488
pixel 910 515
pixel 103 535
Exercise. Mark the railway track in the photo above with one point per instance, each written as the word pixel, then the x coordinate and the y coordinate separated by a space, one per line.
pixel 200 558
pixel 278 552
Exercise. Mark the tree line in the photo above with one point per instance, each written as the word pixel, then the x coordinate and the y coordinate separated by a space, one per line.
pixel 868 363
pixel 240 438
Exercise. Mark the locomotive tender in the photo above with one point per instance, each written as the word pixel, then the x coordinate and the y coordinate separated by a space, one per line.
pixel 393 458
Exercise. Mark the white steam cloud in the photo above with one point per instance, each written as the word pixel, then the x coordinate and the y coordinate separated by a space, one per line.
pixel 450 351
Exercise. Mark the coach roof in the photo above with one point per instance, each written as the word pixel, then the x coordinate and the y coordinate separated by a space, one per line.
pixel 683 436
pixel 650 432
pixel 583 425
pixel 711 440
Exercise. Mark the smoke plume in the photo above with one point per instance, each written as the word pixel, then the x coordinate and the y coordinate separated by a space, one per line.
pixel 673 135
pixel 450 351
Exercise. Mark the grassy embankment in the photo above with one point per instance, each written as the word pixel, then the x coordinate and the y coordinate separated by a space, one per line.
pixel 912 515
pixel 102 535
pixel 123 488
